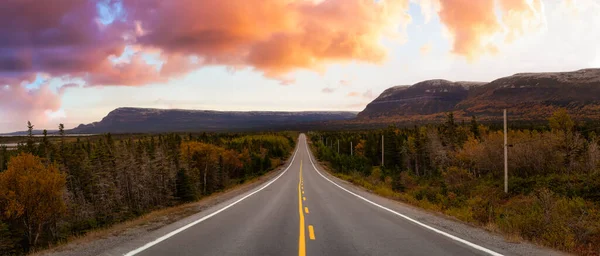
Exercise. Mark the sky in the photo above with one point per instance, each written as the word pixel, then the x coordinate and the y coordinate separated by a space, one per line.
pixel 73 61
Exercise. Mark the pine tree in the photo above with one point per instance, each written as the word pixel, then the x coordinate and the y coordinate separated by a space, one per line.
pixel 30 142
pixel 61 129
pixel 475 128
pixel 185 188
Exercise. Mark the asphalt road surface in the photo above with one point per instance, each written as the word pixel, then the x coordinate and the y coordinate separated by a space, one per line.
pixel 303 211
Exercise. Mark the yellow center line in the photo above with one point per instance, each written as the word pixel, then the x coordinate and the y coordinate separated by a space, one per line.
pixel 302 238
pixel 306 210
pixel 304 198
pixel 311 232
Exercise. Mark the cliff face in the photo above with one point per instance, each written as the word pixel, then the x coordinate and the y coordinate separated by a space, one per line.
pixel 424 98
pixel 139 120
pixel 527 96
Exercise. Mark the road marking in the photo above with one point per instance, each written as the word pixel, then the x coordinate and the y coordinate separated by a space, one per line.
pixel 311 232
pixel 458 239
pixel 304 198
pixel 301 237
pixel 306 210
pixel 174 232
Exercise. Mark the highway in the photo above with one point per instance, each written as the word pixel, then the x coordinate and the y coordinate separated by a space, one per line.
pixel 303 211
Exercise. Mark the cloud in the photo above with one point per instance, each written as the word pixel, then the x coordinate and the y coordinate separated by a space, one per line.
pixel 362 98
pixel 19 105
pixel 328 90
pixel 473 24
pixel 110 42
pixel 69 38
pixel 521 17
pixel 429 8
pixel 63 39
pixel 368 94
pixel 470 23
pixel 353 94
pixel 272 36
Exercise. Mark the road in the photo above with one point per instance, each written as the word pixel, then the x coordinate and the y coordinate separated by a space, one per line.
pixel 303 211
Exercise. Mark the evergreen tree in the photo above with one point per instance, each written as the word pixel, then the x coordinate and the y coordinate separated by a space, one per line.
pixel 185 187
pixel 475 128
pixel 30 142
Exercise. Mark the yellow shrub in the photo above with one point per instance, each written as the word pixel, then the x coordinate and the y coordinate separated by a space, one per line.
pixel 461 213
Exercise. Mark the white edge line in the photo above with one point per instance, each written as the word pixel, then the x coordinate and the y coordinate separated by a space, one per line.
pixel 174 232
pixel 475 246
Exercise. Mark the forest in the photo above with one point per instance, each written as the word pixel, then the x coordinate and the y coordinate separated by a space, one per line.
pixel 457 168
pixel 56 187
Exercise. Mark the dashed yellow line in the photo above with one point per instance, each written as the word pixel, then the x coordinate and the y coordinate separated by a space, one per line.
pixel 306 210
pixel 301 238
pixel 304 198
pixel 311 232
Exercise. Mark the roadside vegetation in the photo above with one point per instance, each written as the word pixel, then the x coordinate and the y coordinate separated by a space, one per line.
pixel 55 188
pixel 458 169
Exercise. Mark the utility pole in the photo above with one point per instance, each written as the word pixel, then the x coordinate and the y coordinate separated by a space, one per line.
pixel 382 160
pixel 351 153
pixel 505 155
pixel 338 147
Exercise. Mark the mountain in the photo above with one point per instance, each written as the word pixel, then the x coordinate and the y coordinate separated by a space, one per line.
pixel 424 98
pixel 140 120
pixel 526 96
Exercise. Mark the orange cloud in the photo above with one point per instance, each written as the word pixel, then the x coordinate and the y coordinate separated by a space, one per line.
pixel 474 23
pixel 368 94
pixel 353 94
pixel 274 37
pixel 271 36
pixel 470 22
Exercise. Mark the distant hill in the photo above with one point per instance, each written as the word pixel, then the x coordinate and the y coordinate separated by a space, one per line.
pixel 527 96
pixel 424 98
pixel 142 120
pixel 34 132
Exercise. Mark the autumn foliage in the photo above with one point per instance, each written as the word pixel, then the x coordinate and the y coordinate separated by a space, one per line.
pixel 53 188
pixel 32 193
pixel 458 167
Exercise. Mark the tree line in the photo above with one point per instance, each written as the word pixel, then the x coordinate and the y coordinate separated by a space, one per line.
pixel 458 168
pixel 55 187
